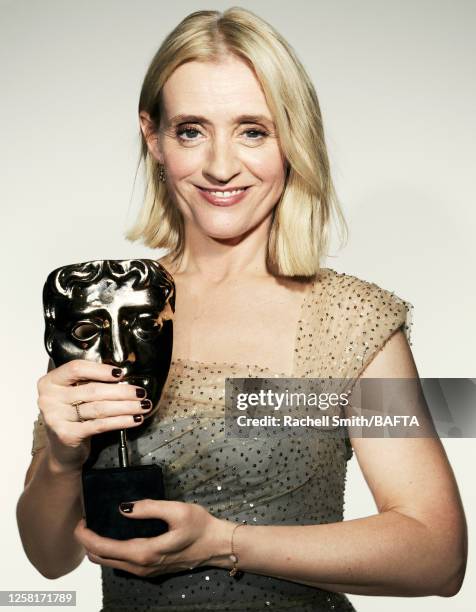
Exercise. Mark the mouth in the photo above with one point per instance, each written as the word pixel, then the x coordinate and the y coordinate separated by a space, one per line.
pixel 223 197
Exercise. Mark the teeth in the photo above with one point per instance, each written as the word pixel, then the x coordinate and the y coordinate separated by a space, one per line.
pixel 225 194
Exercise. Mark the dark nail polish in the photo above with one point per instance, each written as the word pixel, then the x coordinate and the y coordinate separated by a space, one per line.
pixel 140 392
pixel 137 418
pixel 126 506
pixel 117 372
pixel 145 404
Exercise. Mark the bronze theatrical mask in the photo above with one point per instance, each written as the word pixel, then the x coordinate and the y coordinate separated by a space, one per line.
pixel 117 312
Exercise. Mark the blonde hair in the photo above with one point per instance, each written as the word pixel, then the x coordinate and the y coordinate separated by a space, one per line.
pixel 300 230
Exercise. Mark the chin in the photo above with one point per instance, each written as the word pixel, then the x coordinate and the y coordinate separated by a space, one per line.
pixel 227 234
pixel 224 230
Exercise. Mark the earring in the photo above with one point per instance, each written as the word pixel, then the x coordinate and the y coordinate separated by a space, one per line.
pixel 162 173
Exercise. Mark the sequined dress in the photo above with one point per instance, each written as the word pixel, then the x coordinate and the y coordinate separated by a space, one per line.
pixel 343 322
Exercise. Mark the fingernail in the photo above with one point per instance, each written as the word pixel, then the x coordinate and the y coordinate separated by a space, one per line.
pixel 117 372
pixel 137 418
pixel 126 506
pixel 145 404
pixel 140 392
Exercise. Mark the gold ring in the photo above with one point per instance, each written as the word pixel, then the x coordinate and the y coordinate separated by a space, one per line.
pixel 76 406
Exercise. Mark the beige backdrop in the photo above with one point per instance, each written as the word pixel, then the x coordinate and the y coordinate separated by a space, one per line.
pixel 396 86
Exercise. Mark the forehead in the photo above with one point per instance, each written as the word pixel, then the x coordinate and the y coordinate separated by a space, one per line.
pixel 215 90
pixel 107 295
pixel 108 291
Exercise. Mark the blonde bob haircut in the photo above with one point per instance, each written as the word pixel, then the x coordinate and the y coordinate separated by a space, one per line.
pixel 300 229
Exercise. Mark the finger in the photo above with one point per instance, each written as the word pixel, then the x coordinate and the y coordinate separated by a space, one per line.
pixel 72 432
pixel 138 570
pixel 83 369
pixel 85 429
pixel 137 551
pixel 105 409
pixel 168 511
pixel 94 391
pixel 175 514
pixel 90 539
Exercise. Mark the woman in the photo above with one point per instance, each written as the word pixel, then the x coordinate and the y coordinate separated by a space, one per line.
pixel 240 195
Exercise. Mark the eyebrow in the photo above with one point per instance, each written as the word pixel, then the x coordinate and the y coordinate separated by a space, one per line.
pixel 182 118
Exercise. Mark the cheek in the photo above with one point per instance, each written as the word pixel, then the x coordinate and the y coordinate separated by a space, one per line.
pixel 183 162
pixel 266 164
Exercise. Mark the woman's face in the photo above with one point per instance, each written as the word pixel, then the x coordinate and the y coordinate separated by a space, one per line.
pixel 217 136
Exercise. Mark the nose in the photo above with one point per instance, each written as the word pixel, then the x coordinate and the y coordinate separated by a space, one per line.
pixel 222 163
pixel 115 350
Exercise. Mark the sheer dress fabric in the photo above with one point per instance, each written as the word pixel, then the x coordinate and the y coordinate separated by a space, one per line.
pixel 294 480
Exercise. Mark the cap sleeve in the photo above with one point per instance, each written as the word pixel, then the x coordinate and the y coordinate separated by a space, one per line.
pixel 39 435
pixel 39 429
pixel 376 315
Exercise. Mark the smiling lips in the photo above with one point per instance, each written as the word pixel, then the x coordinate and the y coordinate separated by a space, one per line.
pixel 223 198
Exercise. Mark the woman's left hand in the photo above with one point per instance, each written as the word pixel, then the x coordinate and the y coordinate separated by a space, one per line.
pixel 195 538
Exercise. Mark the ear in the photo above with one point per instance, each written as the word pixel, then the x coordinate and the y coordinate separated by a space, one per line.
pixel 151 135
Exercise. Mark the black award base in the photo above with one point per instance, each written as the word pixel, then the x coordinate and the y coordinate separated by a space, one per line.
pixel 104 489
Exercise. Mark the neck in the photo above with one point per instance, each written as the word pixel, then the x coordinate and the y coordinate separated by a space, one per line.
pixel 219 261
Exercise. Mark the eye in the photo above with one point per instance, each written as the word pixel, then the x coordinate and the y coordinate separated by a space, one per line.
pixel 84 331
pixel 187 130
pixel 146 326
pixel 259 133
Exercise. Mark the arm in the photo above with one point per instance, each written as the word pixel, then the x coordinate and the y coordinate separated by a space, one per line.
pixel 50 506
pixel 47 512
pixel 415 545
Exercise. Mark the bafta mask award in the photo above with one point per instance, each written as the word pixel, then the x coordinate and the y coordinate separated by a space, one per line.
pixel 117 312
